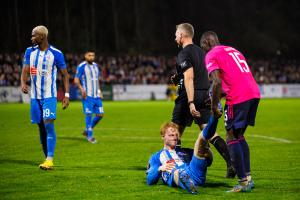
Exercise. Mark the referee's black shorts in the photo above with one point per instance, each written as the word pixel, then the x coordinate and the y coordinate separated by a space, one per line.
pixel 181 112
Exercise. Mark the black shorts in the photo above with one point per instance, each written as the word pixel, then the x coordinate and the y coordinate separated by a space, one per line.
pixel 181 112
pixel 240 115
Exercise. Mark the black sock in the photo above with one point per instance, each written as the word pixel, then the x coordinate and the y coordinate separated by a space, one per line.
pixel 246 152
pixel 237 157
pixel 221 147
pixel 43 137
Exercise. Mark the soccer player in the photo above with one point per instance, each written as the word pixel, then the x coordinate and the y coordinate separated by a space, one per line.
pixel 87 80
pixel 181 167
pixel 193 101
pixel 41 61
pixel 229 71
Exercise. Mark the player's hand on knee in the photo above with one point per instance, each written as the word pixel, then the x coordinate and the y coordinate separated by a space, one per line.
pixel 167 167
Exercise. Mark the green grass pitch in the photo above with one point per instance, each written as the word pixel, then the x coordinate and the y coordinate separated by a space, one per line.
pixel 114 168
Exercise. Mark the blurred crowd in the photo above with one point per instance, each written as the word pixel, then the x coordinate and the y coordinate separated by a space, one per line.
pixel 143 69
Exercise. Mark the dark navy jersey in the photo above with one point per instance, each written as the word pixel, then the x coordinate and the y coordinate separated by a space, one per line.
pixel 192 56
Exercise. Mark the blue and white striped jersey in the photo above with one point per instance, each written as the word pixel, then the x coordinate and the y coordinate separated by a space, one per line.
pixel 180 156
pixel 43 70
pixel 89 78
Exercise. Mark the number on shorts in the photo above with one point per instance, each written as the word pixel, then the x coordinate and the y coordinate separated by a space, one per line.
pixel 46 112
pixel 225 117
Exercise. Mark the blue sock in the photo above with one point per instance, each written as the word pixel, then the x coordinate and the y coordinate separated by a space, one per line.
pixel 237 157
pixel 95 121
pixel 43 137
pixel 51 139
pixel 210 129
pixel 246 152
pixel 88 125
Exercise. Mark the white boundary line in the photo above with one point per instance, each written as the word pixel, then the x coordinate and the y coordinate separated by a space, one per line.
pixel 272 138
pixel 281 140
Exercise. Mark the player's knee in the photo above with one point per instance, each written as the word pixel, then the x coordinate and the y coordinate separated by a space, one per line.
pixel 202 126
pixel 100 115
pixel 230 135
pixel 209 157
pixel 238 132
pixel 213 137
pixel 48 121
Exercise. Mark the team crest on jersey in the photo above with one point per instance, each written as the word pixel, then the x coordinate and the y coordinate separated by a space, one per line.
pixel 45 63
pixel 33 70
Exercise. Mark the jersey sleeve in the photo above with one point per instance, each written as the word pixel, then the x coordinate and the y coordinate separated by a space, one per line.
pixel 79 71
pixel 99 71
pixel 153 174
pixel 60 60
pixel 26 59
pixel 184 61
pixel 211 62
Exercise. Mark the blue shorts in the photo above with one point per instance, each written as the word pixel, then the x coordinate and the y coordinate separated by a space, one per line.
pixel 42 109
pixel 194 174
pixel 240 115
pixel 92 105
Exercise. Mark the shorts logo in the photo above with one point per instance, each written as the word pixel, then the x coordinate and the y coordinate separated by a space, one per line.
pixel 87 110
pixel 33 70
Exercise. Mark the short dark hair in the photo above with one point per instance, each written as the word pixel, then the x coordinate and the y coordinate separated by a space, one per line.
pixel 90 50
pixel 206 34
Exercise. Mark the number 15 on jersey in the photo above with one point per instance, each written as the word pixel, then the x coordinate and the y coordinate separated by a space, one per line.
pixel 241 63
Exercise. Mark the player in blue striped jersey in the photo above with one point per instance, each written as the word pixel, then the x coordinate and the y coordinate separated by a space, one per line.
pixel 87 80
pixel 41 61
pixel 181 167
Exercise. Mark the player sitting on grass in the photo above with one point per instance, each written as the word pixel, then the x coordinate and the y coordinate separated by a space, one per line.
pixel 180 167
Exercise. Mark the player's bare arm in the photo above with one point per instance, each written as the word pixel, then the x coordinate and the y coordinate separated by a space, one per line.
pixel 189 86
pixel 216 92
pixel 24 78
pixel 78 84
pixel 65 74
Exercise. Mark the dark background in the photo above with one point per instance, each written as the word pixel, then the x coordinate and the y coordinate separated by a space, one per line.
pixel 260 29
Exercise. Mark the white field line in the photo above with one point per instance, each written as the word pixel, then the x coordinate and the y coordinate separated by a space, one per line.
pixel 281 140
pixel 272 138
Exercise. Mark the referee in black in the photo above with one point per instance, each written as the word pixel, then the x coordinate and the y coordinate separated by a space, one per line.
pixel 193 102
